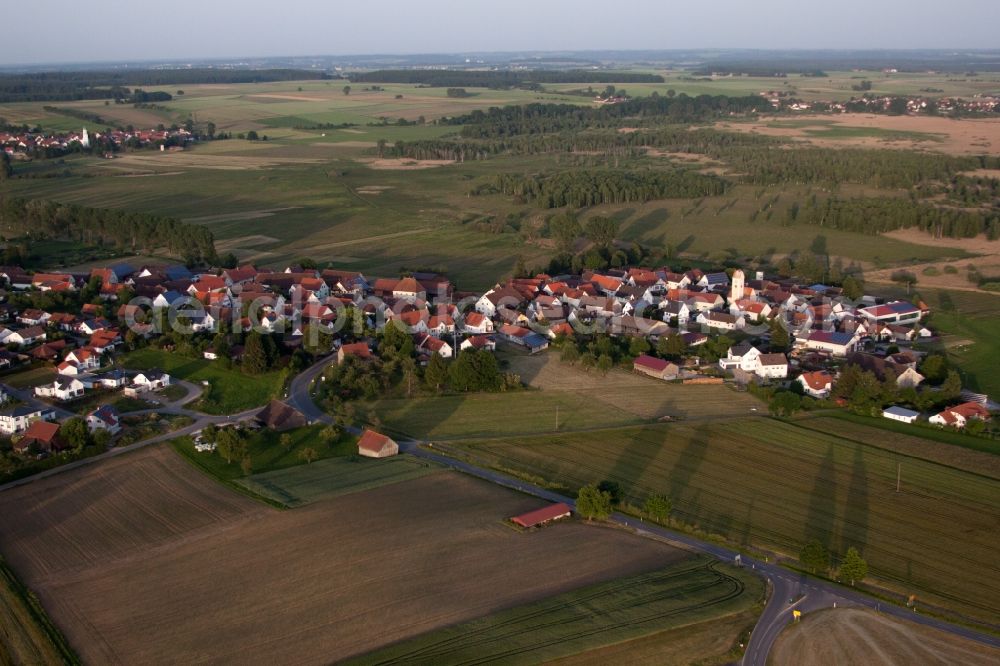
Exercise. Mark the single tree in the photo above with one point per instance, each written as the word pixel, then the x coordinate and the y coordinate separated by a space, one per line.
pixel 593 503
pixel 255 356
pixel 347 90
pixel 815 557
pixel 101 438
pixel 853 567
pixel 671 347
pixel 569 354
pixel 308 454
pixel 436 373
pixel 604 364
pixel 286 441
pixel 246 465
pixel 658 507
pixel 75 432
pixel 329 435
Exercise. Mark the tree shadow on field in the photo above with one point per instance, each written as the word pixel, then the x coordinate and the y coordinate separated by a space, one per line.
pixel 855 532
pixel 689 462
pixel 685 244
pixel 822 512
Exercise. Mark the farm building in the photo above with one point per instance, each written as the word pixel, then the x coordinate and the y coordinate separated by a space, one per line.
pixel 280 416
pixel 900 414
pixel 544 515
pixel 655 367
pixel 376 445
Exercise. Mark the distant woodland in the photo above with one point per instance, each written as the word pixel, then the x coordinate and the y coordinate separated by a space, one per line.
pixel 114 84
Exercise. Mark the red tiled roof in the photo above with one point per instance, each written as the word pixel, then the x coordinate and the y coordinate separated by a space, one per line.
pixel 543 515
pixel 372 441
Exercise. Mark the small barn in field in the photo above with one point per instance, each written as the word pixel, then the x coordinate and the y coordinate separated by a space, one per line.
pixel 376 445
pixel 542 516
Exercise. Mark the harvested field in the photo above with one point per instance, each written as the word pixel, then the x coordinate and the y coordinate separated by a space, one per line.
pixel 859 130
pixel 637 394
pixel 569 399
pixel 403 164
pixel 26 634
pixel 762 482
pixel 312 585
pixel 852 636
pixel 987 262
pixel 201 160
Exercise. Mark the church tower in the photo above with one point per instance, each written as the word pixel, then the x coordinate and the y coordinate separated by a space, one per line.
pixel 85 139
pixel 738 287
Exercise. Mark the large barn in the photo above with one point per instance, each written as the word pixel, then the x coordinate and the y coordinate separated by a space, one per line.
pixel 544 515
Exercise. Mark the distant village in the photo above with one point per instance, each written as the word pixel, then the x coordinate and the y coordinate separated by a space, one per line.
pixel 677 315
pixel 23 144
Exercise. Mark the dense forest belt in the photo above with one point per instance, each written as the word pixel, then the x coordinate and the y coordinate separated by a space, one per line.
pixel 56 86
pixel 506 121
pixel 759 160
pixel 673 139
pixel 872 216
pixel 591 188
pixel 484 79
pixel 137 232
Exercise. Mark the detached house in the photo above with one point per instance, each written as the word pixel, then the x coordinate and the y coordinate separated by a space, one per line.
pixel 104 417
pixel 960 415
pixel 816 384
pixel 477 323
pixel 63 388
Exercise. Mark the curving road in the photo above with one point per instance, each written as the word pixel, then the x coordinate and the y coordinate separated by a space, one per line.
pixel 787 590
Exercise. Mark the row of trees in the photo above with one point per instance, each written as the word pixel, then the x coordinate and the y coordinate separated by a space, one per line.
pixel 135 232
pixel 591 188
pixel 816 558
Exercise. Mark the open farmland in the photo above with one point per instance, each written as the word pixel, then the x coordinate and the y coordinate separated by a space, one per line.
pixel 612 613
pixel 329 198
pixel 304 484
pixel 766 483
pixel 947 447
pixel 855 637
pixel 577 399
pixel 313 585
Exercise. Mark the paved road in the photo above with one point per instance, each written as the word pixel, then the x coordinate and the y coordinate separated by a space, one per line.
pixel 788 590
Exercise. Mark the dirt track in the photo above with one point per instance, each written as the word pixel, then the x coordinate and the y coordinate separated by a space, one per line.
pixel 143 560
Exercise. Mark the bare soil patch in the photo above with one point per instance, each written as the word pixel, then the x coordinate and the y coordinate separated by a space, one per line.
pixel 957 137
pixel 855 636
pixel 144 560
pixel 402 164
pixel 987 263
pixel 195 160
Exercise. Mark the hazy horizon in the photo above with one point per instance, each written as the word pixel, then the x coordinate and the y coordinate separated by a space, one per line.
pixel 253 29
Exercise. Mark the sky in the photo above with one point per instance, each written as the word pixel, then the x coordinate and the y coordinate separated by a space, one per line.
pixel 113 30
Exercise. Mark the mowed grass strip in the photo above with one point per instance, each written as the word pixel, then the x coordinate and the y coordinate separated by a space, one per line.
pixel 684 593
pixel 333 477
pixel 27 636
pixel 763 482
pixel 229 391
